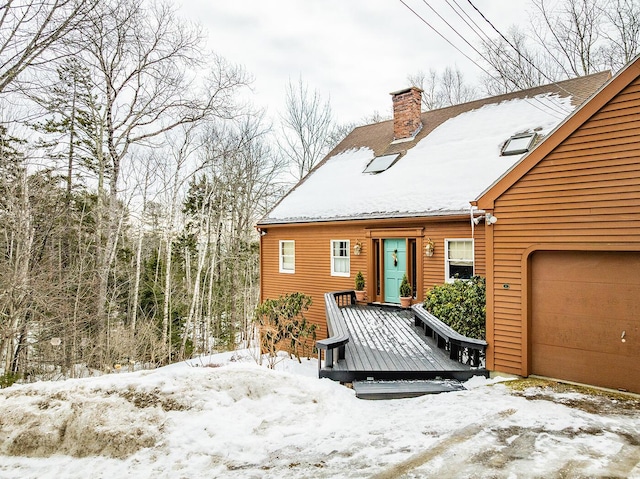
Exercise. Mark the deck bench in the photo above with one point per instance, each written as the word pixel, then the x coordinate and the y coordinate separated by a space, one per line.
pixel 447 338
pixel 336 327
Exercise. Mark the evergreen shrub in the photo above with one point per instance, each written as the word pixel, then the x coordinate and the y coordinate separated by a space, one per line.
pixel 405 287
pixel 461 305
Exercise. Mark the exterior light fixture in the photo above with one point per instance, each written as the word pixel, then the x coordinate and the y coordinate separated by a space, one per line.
pixel 430 247
pixel 487 217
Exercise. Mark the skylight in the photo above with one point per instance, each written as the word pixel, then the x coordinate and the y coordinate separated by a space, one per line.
pixel 518 144
pixel 381 163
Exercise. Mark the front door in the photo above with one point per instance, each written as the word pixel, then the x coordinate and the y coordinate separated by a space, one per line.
pixel 395 266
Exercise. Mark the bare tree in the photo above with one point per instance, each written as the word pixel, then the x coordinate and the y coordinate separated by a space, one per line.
pixel 440 90
pixel 428 83
pixel 240 185
pixel 31 28
pixel 565 39
pixel 145 62
pixel 570 34
pixel 306 127
pixel 517 65
pixel 176 174
pixel 623 34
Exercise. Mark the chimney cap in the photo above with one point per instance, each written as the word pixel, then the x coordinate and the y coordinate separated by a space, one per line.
pixel 405 90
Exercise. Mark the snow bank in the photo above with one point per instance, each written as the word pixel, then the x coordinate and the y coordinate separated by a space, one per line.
pixel 242 420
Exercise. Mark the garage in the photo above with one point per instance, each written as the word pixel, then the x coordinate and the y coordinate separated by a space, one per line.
pixel 585 317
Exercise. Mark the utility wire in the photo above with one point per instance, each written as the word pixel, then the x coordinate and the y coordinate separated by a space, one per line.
pixel 449 25
pixel 487 39
pixel 462 13
pixel 443 37
pixel 561 109
pixel 548 107
pixel 524 57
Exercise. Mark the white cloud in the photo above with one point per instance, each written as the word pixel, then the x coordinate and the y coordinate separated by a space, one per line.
pixel 354 52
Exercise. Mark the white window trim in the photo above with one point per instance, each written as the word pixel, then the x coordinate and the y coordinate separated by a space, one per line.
pixel 333 258
pixel 447 276
pixel 281 257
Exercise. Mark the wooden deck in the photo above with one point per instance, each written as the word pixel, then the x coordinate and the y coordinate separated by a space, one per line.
pixel 384 345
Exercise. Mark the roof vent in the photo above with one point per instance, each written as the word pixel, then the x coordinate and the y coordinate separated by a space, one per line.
pixel 519 144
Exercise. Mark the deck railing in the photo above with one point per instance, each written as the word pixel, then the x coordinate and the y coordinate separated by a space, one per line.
pixel 336 327
pixel 461 348
pixel 343 298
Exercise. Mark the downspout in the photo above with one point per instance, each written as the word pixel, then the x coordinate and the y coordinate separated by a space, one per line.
pixel 261 233
pixel 490 292
pixel 471 208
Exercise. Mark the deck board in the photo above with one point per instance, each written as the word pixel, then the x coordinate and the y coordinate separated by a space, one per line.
pixel 388 341
pixel 385 344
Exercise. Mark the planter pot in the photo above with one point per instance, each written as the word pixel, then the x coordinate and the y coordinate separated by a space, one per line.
pixel 405 301
pixel 359 296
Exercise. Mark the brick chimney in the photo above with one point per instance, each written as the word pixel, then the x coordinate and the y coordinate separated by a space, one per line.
pixel 406 112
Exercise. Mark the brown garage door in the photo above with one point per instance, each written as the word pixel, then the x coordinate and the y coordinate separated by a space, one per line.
pixel 585 317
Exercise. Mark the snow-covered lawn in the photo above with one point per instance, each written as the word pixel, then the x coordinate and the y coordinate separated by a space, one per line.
pixel 240 420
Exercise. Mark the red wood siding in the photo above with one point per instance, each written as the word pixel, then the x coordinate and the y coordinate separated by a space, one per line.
pixel 313 257
pixel 584 195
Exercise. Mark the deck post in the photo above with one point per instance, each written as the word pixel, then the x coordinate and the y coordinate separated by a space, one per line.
pixel 328 358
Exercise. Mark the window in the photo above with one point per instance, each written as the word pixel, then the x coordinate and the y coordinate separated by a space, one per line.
pixel 518 144
pixel 458 259
pixel 287 256
pixel 340 260
pixel 381 163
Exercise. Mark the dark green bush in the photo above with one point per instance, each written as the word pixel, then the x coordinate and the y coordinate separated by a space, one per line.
pixel 359 281
pixel 461 305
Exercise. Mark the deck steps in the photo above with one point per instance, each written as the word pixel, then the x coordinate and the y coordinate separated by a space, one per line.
pixel 404 389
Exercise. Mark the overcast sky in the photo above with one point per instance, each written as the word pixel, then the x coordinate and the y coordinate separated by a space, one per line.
pixel 354 52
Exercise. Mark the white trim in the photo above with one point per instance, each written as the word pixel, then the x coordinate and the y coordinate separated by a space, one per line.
pixel 333 258
pixel 281 257
pixel 447 276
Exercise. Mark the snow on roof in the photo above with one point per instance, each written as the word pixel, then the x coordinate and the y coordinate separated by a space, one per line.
pixel 447 169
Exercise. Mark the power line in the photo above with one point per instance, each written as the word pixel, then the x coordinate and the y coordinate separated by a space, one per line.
pixel 449 25
pixel 443 37
pixel 475 28
pixel 525 58
pixel 562 110
pixel 548 108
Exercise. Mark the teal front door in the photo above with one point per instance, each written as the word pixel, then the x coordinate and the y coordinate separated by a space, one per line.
pixel 395 266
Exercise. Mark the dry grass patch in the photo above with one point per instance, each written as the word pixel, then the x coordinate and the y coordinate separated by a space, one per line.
pixel 589 399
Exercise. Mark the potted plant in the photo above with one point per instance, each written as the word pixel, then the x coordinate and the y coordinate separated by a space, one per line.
pixel 359 286
pixel 405 292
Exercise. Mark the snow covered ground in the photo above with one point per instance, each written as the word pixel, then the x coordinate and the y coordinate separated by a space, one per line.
pixel 235 419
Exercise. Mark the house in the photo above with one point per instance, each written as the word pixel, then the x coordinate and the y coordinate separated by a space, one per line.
pixel 563 285
pixel 394 197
